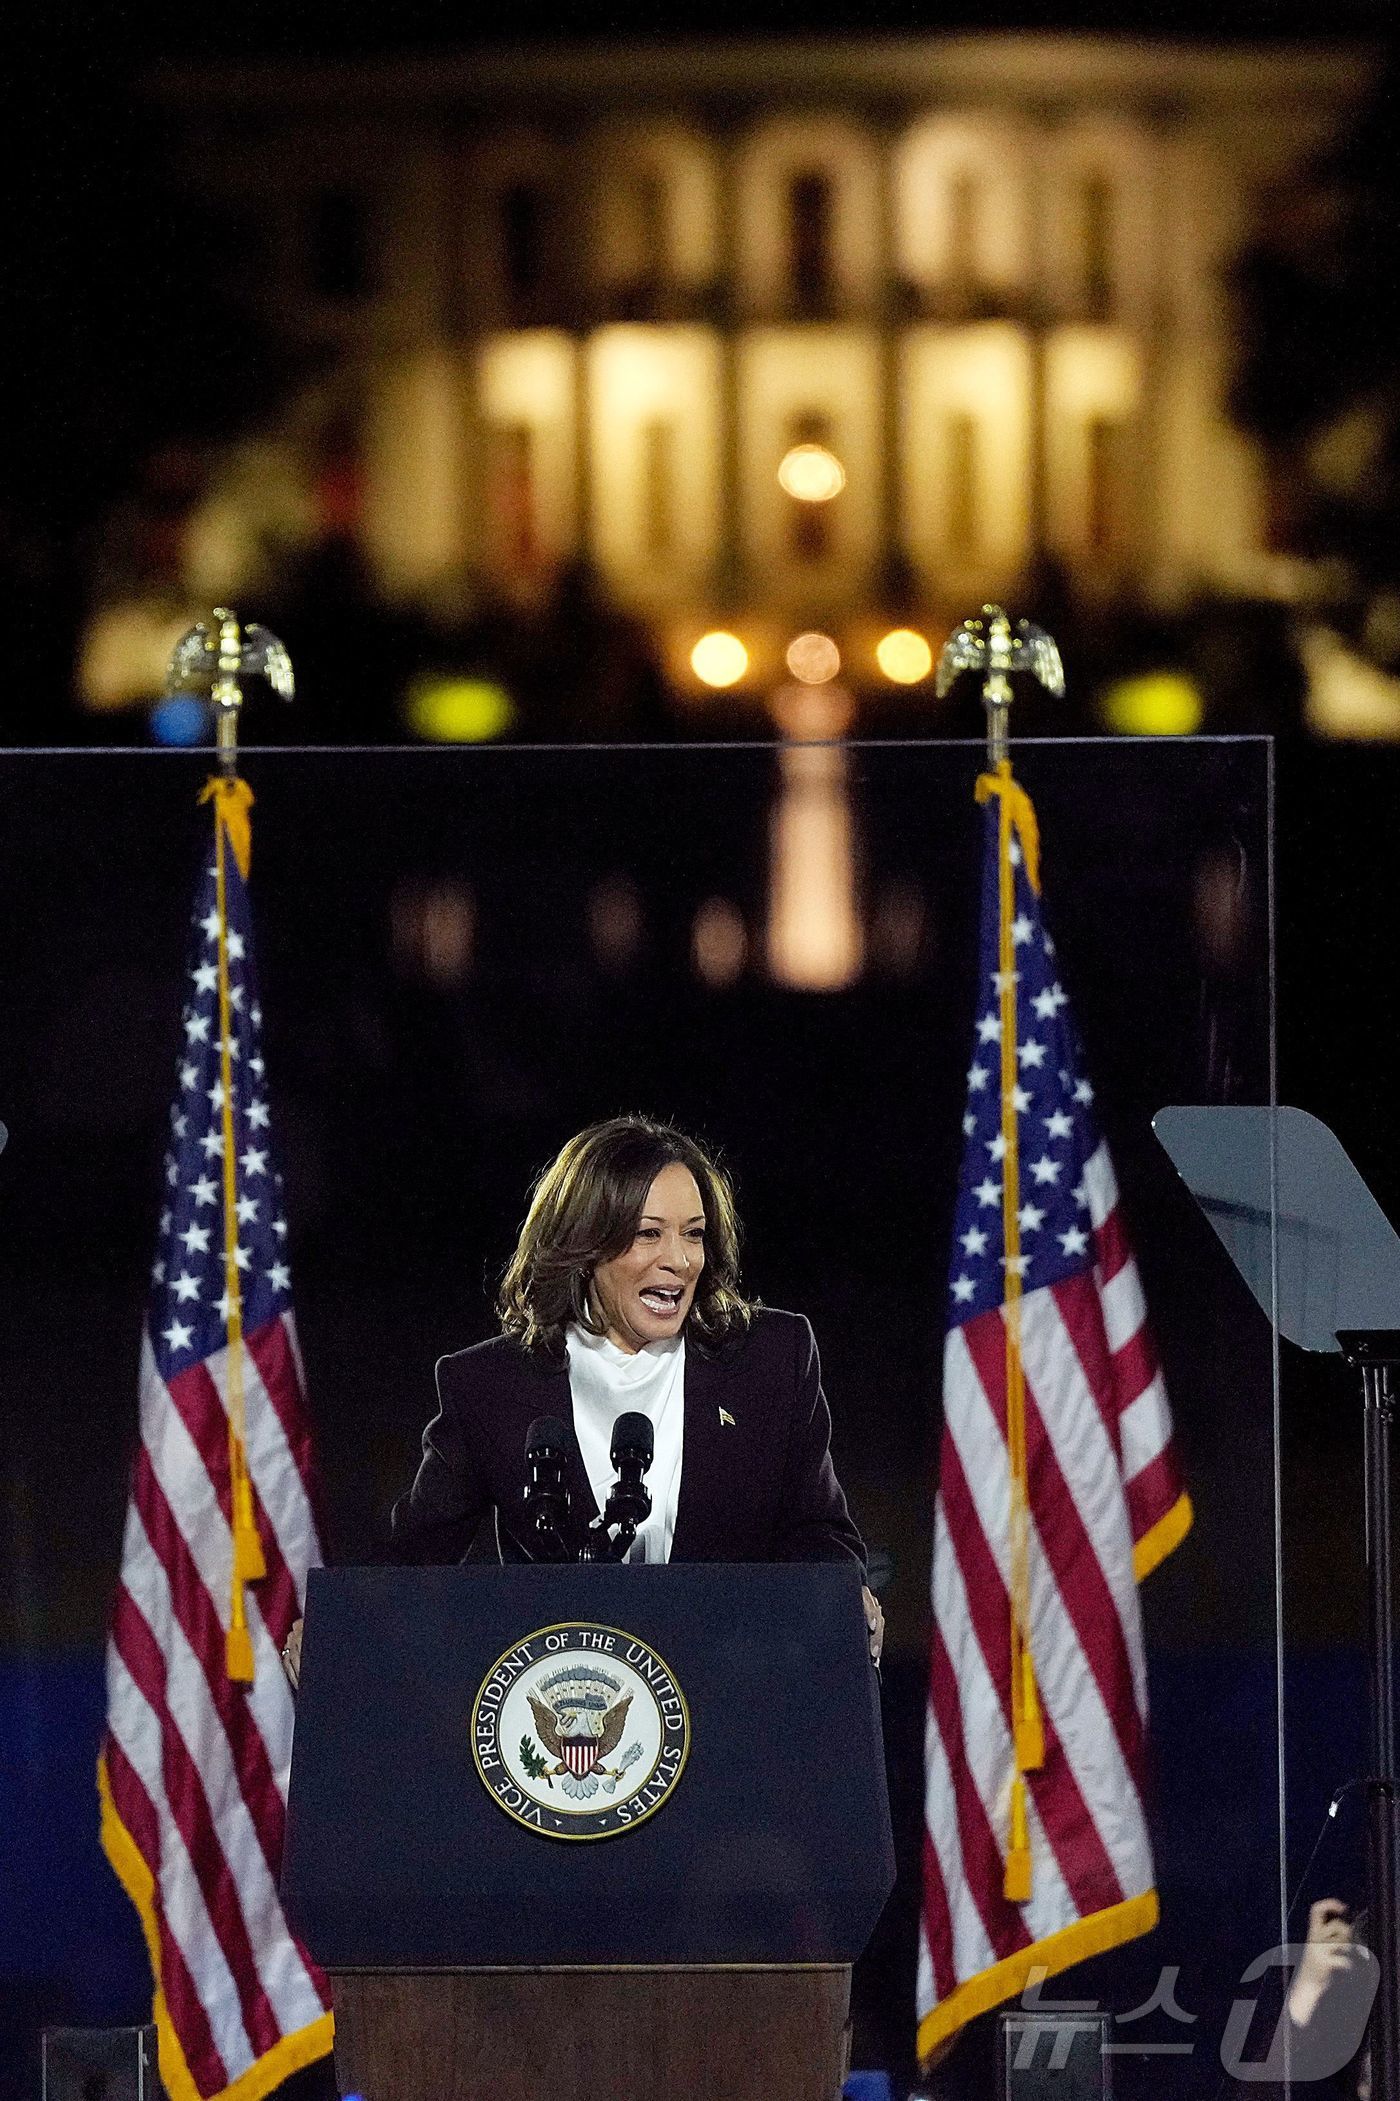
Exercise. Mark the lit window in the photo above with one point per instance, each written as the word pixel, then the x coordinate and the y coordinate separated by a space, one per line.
pixel 809 525
pixel 1103 436
pixel 962 526
pixel 658 487
pixel 512 501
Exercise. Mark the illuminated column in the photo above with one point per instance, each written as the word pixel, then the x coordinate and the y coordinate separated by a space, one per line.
pixel 1209 521
pixel 655 480
pixel 526 402
pixel 887 201
pixel 414 472
pixel 579 226
pixel 1039 301
pixel 967 408
pixel 729 577
pixel 583 448
pixel 1093 381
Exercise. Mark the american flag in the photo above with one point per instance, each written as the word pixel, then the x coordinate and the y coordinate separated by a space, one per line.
pixel 1058 1491
pixel 193 1771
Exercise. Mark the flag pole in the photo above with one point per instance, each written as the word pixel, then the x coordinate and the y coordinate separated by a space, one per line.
pixel 226 693
pixel 220 655
pixel 1020 1721
pixel 996 648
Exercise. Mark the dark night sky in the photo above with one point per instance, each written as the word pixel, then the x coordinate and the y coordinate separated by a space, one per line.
pixel 111 36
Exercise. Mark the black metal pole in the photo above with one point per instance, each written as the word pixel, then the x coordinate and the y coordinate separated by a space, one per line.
pixel 1383 1856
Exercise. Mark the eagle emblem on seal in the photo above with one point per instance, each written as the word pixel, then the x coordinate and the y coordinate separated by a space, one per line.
pixel 580 1713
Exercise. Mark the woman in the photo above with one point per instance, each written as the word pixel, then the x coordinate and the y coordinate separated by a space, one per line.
pixel 623 1295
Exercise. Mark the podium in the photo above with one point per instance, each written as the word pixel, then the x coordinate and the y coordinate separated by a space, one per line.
pixel 593 1833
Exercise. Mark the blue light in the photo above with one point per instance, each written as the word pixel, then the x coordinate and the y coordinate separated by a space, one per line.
pixel 182 719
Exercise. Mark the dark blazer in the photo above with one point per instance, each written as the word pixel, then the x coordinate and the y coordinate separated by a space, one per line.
pixel 759 1487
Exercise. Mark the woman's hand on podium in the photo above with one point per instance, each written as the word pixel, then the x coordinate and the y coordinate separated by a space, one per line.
pixel 874 1620
pixel 1331 1952
pixel 291 1655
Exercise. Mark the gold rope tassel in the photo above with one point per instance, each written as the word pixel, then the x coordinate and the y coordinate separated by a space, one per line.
pixel 238 1649
pixel 1030 1732
pixel 248 1560
pixel 232 800
pixel 1016 1883
pixel 1016 821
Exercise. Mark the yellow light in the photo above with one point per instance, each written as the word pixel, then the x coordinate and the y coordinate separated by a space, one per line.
pixel 126 650
pixel 811 474
pixel 719 659
pixel 904 656
pixel 1154 704
pixel 813 658
pixel 458 710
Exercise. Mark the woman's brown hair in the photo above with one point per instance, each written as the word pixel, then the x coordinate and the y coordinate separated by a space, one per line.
pixel 585 1208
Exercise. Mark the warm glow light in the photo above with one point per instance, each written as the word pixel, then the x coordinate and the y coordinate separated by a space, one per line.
pixel 615 922
pixel 1156 704
pixel 814 930
pixel 1347 696
pixel 126 650
pixel 719 659
pixel 904 656
pixel 434 929
pixel 813 658
pixel 719 942
pixel 459 710
pixel 812 474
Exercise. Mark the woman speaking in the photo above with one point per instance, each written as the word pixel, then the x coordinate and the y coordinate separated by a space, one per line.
pixel 623 1297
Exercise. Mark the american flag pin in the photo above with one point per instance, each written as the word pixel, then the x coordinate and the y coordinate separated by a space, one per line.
pixel 726 1417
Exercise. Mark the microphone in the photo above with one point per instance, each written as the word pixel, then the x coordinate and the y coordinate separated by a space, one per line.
pixel 629 1505
pixel 633 1447
pixel 546 1498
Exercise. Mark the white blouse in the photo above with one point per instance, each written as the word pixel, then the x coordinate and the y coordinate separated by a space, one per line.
pixel 605 1382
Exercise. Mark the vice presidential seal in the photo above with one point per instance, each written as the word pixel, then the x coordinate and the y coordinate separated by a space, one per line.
pixel 580 1731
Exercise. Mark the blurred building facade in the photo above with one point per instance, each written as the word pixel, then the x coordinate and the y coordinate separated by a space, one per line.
pixel 579 303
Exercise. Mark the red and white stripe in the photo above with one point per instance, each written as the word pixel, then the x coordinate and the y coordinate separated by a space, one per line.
pixel 195 1765
pixel 1102 1480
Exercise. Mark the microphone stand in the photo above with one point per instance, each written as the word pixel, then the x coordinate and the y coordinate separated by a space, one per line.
pixel 629 1502
pixel 1375 1354
pixel 549 1509
pixel 547 1504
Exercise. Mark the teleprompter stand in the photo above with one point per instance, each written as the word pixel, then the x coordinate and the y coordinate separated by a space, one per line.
pixel 1323 1261
pixel 487 1938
